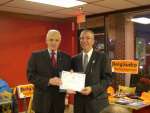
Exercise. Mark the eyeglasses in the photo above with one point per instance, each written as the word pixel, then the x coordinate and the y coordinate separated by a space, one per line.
pixel 85 38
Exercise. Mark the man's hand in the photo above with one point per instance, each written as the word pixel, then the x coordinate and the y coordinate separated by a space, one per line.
pixel 71 91
pixel 55 81
pixel 86 91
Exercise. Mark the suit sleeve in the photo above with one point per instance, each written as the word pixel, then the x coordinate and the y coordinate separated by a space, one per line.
pixel 68 63
pixel 33 76
pixel 105 77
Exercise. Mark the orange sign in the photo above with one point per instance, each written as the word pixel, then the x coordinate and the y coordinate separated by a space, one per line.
pixel 125 66
pixel 81 18
pixel 25 91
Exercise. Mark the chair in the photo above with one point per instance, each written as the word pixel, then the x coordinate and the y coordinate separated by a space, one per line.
pixel 145 96
pixel 30 105
pixel 127 90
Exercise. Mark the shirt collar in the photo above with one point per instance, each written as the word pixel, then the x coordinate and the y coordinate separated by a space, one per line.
pixel 50 51
pixel 89 53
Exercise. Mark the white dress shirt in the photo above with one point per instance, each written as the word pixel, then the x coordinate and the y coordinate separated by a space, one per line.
pixel 50 51
pixel 89 55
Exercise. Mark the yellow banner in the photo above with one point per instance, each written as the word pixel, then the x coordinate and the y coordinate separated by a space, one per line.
pixel 25 91
pixel 125 66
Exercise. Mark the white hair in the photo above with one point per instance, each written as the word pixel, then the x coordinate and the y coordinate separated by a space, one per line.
pixel 53 33
pixel 87 31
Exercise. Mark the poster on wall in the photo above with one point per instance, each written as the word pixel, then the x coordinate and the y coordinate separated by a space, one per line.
pixel 125 66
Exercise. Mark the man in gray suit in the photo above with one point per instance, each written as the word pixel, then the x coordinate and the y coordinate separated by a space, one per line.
pixel 93 98
pixel 43 71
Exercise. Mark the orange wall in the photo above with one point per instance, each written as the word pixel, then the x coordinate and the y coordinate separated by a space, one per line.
pixel 19 37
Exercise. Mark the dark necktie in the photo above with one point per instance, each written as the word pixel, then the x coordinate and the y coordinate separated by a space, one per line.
pixel 53 59
pixel 85 62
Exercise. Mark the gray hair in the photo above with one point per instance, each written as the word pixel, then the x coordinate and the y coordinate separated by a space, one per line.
pixel 87 31
pixel 53 33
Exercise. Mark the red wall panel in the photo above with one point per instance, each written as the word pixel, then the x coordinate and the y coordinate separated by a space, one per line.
pixel 19 37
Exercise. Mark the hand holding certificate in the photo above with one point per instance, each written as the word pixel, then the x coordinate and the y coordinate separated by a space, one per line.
pixel 72 81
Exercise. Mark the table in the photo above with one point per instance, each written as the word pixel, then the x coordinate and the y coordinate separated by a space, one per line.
pixel 141 108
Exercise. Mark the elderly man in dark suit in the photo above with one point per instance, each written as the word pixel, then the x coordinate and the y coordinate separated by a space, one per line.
pixel 93 98
pixel 43 71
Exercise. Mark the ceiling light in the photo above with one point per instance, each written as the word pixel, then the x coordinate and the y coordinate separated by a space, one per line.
pixel 141 20
pixel 141 67
pixel 60 3
pixel 140 42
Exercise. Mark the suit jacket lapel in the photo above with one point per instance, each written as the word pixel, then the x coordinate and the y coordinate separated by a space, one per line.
pixel 47 58
pixel 80 63
pixel 59 59
pixel 92 60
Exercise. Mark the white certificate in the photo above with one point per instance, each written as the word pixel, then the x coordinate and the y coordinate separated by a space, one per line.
pixel 72 81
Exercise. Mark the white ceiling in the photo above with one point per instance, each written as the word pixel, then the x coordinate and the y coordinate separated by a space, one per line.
pixel 93 7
